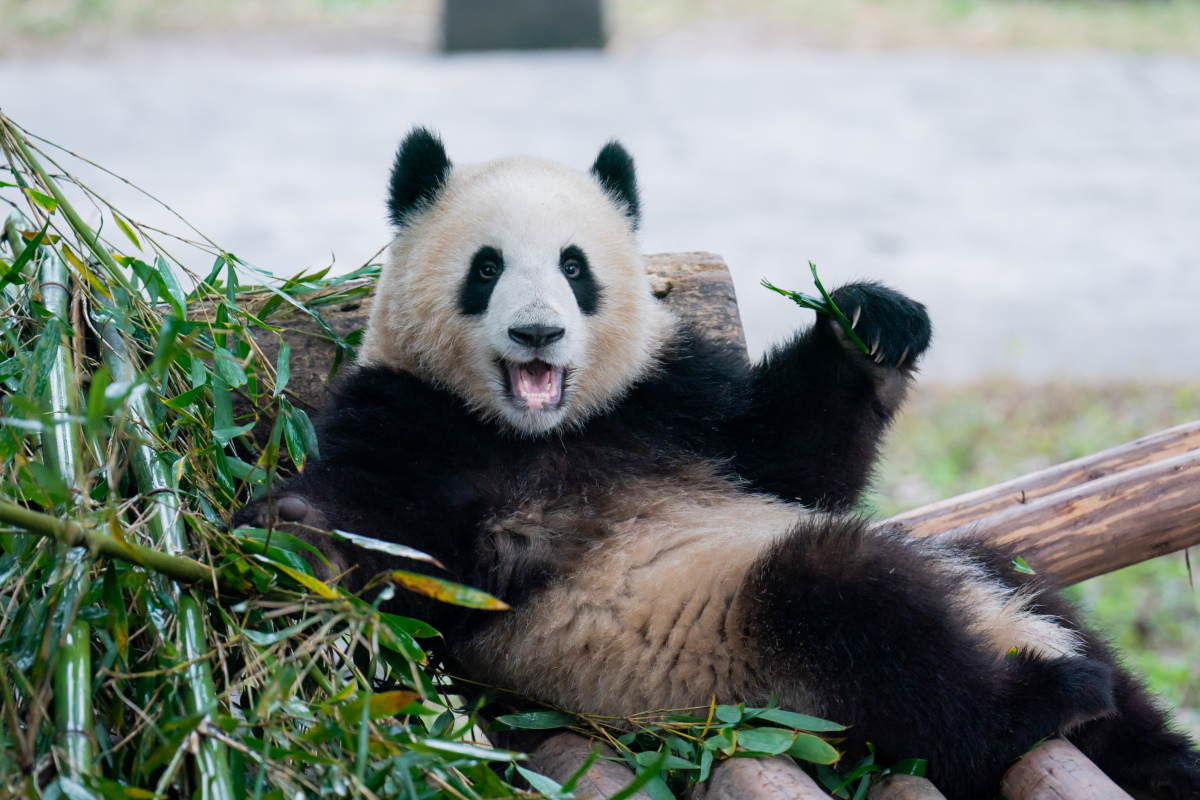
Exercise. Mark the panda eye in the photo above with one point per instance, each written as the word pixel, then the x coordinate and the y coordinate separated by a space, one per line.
pixel 487 270
pixel 571 268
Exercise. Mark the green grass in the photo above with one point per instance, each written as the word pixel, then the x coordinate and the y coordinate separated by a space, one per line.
pixel 1130 25
pixel 952 440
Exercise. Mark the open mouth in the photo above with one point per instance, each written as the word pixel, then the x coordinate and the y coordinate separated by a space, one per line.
pixel 537 385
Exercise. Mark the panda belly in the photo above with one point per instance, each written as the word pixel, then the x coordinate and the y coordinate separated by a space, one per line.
pixel 651 618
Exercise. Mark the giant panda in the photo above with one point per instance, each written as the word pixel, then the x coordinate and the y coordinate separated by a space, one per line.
pixel 669 524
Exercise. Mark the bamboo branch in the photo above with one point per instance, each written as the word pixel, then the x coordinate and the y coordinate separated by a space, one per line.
pixel 72 534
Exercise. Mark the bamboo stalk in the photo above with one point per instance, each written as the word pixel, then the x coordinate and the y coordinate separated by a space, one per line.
pixel 60 451
pixel 212 757
pixel 775 778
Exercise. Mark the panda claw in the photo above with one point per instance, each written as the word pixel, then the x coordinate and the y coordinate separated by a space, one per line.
pixel 903 357
pixel 854 319
pixel 874 350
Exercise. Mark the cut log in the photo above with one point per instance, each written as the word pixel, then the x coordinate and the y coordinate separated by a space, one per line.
pixel 1055 770
pixel 904 787
pixel 1102 525
pixel 775 778
pixel 561 755
pixel 946 514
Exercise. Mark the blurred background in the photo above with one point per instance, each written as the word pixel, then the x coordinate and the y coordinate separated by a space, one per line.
pixel 1030 169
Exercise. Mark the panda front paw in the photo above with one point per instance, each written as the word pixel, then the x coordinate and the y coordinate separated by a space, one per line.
pixel 895 329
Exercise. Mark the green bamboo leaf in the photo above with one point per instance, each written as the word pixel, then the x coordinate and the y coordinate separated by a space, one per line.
pixel 648 757
pixel 801 722
pixel 810 748
pixel 226 435
pixel 910 766
pixel 308 433
pixel 1022 566
pixel 127 230
pixel 283 369
pixel 175 294
pixel 537 720
pixel 468 750
pixel 540 783
pixel 766 740
pixel 228 368
pixel 14 272
pixel 44 200
pixel 268 639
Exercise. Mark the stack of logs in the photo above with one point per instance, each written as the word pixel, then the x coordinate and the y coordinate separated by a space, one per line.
pixel 1076 520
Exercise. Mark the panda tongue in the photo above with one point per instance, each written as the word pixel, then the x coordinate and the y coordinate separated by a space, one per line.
pixel 537 383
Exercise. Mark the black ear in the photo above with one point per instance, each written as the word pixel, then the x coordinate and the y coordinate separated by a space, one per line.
pixel 418 175
pixel 614 170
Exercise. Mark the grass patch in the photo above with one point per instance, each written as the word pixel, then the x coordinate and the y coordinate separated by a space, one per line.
pixel 951 440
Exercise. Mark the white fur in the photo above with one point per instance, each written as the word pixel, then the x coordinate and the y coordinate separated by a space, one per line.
pixel 529 210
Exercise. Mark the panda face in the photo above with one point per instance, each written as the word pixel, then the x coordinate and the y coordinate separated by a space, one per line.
pixel 519 286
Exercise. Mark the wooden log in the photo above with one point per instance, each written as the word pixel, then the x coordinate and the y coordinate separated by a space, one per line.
pixel 1055 770
pixel 946 514
pixel 1105 524
pixel 561 755
pixel 904 787
pixel 775 778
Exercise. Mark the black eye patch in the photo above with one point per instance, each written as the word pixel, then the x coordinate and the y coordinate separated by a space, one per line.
pixel 574 266
pixel 486 266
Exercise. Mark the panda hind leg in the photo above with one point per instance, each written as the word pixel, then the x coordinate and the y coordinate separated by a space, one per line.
pixel 1134 745
pixel 859 626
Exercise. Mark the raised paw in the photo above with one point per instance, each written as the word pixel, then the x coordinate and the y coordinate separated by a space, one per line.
pixel 895 329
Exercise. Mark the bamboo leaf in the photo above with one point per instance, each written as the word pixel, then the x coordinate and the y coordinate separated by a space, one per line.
pixel 127 230
pixel 282 368
pixel 391 548
pixel 44 200
pixel 810 748
pixel 448 591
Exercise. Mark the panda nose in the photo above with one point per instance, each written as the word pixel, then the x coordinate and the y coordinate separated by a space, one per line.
pixel 535 335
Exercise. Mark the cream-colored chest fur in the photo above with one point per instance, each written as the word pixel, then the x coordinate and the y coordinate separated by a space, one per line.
pixel 650 619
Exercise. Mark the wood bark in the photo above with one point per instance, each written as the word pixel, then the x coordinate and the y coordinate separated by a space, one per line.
pixel 562 754
pixel 904 787
pixel 1056 770
pixel 775 778
pixel 1104 524
pixel 965 508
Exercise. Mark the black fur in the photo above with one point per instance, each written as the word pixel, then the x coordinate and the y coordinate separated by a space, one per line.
pixel 856 624
pixel 582 281
pixel 480 281
pixel 418 175
pixel 614 170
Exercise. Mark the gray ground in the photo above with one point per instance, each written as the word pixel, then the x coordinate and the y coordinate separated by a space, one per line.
pixel 1045 207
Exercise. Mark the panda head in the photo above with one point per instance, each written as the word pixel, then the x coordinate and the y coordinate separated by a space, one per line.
pixel 517 284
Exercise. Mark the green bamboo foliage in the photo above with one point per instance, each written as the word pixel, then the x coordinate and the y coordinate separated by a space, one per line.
pixel 221 666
